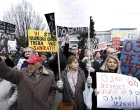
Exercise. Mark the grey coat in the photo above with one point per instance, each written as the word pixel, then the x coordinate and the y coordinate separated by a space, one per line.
pixel 67 94
pixel 8 94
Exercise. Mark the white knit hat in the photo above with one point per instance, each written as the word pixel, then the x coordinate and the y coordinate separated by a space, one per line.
pixel 13 49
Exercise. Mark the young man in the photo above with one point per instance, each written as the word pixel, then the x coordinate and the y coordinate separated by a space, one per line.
pixel 36 85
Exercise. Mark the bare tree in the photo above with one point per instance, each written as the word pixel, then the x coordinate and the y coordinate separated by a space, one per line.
pixel 24 17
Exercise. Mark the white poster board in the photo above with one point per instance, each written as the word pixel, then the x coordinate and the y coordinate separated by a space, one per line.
pixel 117 91
pixel 72 13
pixel 12 44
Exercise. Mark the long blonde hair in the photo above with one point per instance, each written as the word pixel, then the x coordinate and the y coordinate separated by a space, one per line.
pixel 105 68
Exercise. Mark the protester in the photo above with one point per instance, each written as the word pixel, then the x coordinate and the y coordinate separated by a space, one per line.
pixel 109 51
pixel 8 61
pixel 67 50
pixel 86 61
pixel 72 84
pixel 45 61
pixel 8 95
pixel 97 57
pixel 14 56
pixel 28 52
pixel 53 63
pixel 111 65
pixel 36 85
pixel 21 61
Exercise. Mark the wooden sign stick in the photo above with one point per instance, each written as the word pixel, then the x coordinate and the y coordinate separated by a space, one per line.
pixel 59 72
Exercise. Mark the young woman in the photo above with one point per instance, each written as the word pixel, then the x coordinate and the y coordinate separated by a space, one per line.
pixel 111 65
pixel 73 84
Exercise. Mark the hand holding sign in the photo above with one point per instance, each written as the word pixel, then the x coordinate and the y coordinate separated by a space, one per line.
pixel 117 91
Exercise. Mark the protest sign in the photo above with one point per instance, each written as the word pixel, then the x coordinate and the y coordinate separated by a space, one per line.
pixel 72 13
pixel 124 33
pixel 117 91
pixel 11 44
pixel 62 31
pixel 130 57
pixel 91 43
pixel 7 27
pixel 42 41
pixel 116 42
pixel 7 32
pixel 102 46
pixel 50 17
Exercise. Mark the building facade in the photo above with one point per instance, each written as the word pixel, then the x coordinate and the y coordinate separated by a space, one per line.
pixel 122 33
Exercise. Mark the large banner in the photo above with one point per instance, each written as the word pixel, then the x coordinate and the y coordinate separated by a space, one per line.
pixel 130 57
pixel 42 41
pixel 117 91
pixel 72 13
pixel 7 32
pixel 62 31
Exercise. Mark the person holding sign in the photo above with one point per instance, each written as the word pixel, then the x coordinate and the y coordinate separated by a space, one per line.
pixel 71 85
pixel 111 65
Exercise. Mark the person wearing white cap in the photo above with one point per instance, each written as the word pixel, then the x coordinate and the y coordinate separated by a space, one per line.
pixel 14 56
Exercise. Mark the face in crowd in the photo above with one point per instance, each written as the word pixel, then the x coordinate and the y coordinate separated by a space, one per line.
pixel 44 58
pixel 110 51
pixel 74 50
pixel 98 55
pixel 28 52
pixel 34 63
pixel 112 64
pixel 13 52
pixel 73 63
pixel 89 54
pixel 33 67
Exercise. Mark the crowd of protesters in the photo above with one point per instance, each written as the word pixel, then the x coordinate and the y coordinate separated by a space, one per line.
pixel 31 79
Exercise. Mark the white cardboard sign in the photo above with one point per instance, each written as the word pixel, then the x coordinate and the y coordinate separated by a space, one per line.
pixel 117 91
pixel 72 13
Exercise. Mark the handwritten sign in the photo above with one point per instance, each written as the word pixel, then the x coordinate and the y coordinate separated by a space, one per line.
pixel 72 13
pixel 130 57
pixel 42 41
pixel 116 42
pixel 117 91
pixel 102 45
pixel 7 32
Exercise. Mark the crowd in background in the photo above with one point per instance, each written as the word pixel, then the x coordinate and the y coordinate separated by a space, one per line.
pixel 74 67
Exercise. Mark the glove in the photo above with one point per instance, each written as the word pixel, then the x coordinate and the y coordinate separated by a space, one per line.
pixel 89 81
pixel 60 84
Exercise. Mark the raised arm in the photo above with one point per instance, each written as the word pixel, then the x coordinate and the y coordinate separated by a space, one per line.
pixel 9 74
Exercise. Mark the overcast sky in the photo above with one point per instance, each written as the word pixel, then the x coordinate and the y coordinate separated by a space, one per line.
pixel 107 14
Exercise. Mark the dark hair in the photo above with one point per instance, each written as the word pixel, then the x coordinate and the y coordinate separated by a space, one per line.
pixel 96 53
